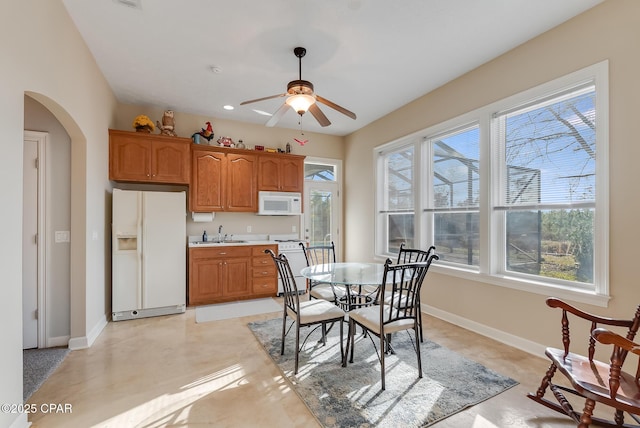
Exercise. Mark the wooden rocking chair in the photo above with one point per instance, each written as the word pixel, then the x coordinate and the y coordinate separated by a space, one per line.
pixel 592 380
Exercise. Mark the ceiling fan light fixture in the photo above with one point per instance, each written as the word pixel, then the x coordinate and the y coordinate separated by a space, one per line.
pixel 300 103
pixel 301 98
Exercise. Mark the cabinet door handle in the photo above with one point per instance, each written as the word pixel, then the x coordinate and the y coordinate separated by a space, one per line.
pixel 222 253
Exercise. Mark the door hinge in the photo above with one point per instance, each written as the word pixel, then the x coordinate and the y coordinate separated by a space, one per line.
pixel 36 162
pixel 35 314
pixel 35 238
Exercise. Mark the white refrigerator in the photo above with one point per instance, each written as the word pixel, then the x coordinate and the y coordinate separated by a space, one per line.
pixel 148 254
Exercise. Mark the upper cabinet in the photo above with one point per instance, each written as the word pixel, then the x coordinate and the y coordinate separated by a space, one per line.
pixel 223 180
pixel 280 173
pixel 147 158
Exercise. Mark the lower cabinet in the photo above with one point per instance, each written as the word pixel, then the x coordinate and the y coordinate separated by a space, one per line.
pixel 226 273
pixel 265 275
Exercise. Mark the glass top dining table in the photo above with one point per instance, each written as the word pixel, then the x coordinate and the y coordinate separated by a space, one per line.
pixel 348 273
pixel 359 281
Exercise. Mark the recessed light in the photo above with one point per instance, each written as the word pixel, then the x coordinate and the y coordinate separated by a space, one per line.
pixel 228 107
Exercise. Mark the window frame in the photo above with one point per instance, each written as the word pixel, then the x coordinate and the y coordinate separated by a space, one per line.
pixel 381 235
pixel 490 269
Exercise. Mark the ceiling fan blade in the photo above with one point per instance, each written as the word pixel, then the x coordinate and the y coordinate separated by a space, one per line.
pixel 319 115
pixel 262 99
pixel 278 115
pixel 335 106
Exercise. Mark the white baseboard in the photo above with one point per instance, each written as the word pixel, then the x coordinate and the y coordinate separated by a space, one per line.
pixel 490 332
pixel 21 422
pixel 84 342
pixel 53 342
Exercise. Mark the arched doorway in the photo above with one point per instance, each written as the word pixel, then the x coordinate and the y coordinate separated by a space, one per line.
pixel 52 266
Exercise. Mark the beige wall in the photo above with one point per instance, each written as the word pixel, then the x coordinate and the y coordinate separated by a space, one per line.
pixel 44 57
pixel 328 146
pixel 319 145
pixel 608 31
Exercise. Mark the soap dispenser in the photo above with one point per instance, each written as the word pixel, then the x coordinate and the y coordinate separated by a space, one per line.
pixel 204 236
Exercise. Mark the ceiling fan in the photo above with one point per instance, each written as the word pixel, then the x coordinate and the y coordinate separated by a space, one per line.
pixel 301 98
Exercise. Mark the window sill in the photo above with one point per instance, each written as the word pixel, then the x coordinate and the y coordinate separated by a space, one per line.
pixel 548 290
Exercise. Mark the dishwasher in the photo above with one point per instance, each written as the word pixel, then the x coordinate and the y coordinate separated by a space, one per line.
pixel 289 245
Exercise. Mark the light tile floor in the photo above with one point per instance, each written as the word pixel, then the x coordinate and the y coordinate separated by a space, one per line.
pixel 170 371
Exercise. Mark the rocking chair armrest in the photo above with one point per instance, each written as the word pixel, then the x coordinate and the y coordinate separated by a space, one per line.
pixel 608 337
pixel 621 347
pixel 553 302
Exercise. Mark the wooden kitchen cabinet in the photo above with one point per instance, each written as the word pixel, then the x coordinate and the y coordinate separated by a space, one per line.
pixel 208 181
pixel 146 158
pixel 223 180
pixel 281 173
pixel 265 275
pixel 227 273
pixel 241 185
pixel 219 274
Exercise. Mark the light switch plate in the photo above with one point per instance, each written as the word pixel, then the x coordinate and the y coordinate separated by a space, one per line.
pixel 62 236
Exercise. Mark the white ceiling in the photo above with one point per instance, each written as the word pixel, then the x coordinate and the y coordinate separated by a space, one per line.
pixel 369 56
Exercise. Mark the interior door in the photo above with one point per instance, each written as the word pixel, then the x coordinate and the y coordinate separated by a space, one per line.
pixel 30 246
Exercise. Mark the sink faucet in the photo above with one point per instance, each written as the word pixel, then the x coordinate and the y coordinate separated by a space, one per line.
pixel 220 234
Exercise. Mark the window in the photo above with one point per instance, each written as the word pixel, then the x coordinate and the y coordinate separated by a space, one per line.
pixel 455 199
pixel 513 193
pixel 396 213
pixel 319 172
pixel 547 155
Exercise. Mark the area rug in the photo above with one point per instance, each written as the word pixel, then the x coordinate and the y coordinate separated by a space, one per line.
pixel 351 396
pixel 38 365
pixel 244 308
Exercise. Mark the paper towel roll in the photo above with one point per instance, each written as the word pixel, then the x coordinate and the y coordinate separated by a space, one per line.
pixel 202 217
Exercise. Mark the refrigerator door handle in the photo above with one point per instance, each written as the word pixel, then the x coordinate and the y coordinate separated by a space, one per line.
pixel 141 266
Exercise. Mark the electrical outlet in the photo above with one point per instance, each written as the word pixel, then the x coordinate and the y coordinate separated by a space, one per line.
pixel 248 229
pixel 294 229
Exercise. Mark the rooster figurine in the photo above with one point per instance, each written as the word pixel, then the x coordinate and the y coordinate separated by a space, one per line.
pixel 207 133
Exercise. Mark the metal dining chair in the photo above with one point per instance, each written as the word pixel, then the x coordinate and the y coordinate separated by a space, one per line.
pixel 397 312
pixel 319 255
pixel 413 255
pixel 316 312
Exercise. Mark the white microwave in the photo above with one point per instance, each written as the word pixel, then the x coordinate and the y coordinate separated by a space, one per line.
pixel 279 203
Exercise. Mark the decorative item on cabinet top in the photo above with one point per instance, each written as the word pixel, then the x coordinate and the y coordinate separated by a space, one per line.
pixel 168 124
pixel 206 133
pixel 226 142
pixel 142 123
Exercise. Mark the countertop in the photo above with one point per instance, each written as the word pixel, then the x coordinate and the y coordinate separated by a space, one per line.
pixel 196 241
pixel 200 244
